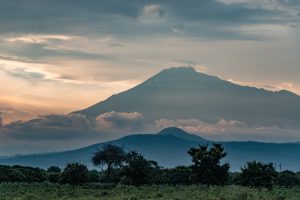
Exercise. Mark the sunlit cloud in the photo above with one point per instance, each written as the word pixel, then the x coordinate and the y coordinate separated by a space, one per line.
pixel 229 130
pixel 198 126
pixel 266 31
pixel 38 39
pixel 277 87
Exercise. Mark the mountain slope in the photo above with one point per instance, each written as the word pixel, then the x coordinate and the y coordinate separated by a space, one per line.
pixel 169 151
pixel 177 132
pixel 183 93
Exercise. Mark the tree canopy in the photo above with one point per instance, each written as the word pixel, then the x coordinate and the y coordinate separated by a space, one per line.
pixel 207 168
pixel 110 156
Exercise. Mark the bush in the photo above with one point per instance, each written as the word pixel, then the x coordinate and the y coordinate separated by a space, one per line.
pixel 54 169
pixel 93 176
pixel 138 170
pixel 31 174
pixel 180 175
pixel 54 177
pixel 259 175
pixel 75 174
pixel 288 179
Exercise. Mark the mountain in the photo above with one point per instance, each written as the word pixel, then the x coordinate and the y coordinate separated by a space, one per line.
pixel 177 132
pixel 169 148
pixel 183 93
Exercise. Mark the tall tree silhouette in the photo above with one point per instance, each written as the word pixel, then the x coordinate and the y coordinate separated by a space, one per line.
pixel 138 170
pixel 110 156
pixel 206 165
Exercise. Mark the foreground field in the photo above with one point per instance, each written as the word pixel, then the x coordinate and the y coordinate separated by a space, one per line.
pixel 119 192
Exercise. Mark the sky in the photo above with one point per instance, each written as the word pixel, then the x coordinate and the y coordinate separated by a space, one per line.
pixel 57 56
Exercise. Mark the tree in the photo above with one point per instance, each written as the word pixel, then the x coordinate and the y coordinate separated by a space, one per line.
pixel 31 174
pixel 53 174
pixel 110 156
pixel 54 169
pixel 259 175
pixel 8 174
pixel 181 175
pixel 206 165
pixel 288 179
pixel 138 170
pixel 93 176
pixel 75 174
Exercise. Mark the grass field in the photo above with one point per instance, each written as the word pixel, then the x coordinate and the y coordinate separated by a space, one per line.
pixel 120 192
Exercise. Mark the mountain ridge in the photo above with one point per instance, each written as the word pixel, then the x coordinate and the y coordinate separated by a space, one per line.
pixel 183 93
pixel 170 151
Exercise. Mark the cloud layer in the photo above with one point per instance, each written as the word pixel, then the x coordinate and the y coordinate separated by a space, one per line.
pixel 73 126
pixel 231 130
pixel 121 121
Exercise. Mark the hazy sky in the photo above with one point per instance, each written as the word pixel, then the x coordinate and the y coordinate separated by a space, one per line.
pixel 57 56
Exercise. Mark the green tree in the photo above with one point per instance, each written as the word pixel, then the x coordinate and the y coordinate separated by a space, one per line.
pixel 110 156
pixel 75 174
pixel 181 175
pixel 10 175
pixel 138 170
pixel 206 165
pixel 31 174
pixel 54 169
pixel 259 175
pixel 93 176
pixel 287 179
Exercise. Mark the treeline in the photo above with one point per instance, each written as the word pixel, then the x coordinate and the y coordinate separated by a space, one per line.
pixel 131 168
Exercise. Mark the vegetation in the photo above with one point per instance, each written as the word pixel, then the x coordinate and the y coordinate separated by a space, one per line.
pixel 75 174
pixel 42 191
pixel 146 180
pixel 207 168
pixel 138 170
pixel 111 156
pixel 259 175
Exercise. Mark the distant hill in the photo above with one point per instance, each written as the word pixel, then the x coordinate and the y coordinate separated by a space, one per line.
pixel 169 148
pixel 183 93
pixel 177 132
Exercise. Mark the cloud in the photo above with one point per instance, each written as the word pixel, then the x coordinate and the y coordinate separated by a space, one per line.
pixel 60 132
pixel 261 134
pixel 26 70
pixel 121 121
pixel 50 127
pixel 73 126
pixel 231 130
pixel 276 87
pixel 266 5
pixel 38 39
pixel 151 13
pixel 198 126
pixel 21 73
pixel 231 123
pixel 35 71
pixel 287 86
pixel 207 18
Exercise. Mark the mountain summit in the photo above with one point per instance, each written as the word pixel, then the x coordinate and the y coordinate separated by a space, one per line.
pixel 183 93
pixel 177 132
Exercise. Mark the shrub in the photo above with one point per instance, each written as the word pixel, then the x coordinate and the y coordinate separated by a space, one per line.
pixel 75 174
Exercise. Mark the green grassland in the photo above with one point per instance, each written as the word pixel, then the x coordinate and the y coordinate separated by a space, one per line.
pixel 121 192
